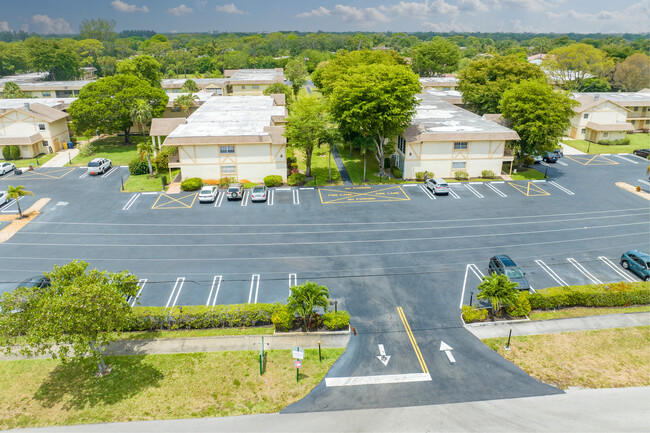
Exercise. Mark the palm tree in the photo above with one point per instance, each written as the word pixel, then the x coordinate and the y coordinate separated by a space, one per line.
pixel 185 102
pixel 499 290
pixel 145 149
pixel 365 145
pixel 17 192
pixel 142 113
pixel 305 297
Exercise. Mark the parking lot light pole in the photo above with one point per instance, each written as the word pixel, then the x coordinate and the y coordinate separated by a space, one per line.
pixel 546 173
pixel 508 343
pixel 471 295
pixel 320 358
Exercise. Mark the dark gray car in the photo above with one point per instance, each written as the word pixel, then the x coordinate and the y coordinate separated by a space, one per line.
pixel 504 265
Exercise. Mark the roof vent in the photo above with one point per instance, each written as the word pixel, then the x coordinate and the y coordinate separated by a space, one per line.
pixel 596 97
pixel 27 106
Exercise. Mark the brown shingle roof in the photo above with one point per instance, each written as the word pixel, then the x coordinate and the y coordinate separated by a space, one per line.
pixel 164 127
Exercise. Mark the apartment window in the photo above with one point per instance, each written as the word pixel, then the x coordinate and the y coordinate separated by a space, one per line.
pixel 401 144
pixel 46 93
pixel 228 169
pixel 445 89
pixel 243 87
pixel 585 116
pixel 226 149
pixel 605 134
pixel 45 143
pixel 176 109
pixel 255 86
pixel 460 164
pixel 636 108
pixel 460 145
pixel 583 130
pixel 647 122
pixel 41 126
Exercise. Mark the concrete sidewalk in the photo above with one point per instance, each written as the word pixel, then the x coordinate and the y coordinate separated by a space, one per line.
pixel 568 150
pixel 537 327
pixel 62 158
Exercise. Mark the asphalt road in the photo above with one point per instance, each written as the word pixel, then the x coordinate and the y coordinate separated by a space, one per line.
pixel 399 260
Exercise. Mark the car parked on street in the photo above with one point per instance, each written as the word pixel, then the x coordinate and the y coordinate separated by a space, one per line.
pixel 643 153
pixel 235 191
pixel 208 194
pixel 550 157
pixel 559 153
pixel 437 186
pixel 3 197
pixel 503 265
pixel 637 262
pixel 259 193
pixel 6 167
pixel 40 281
pixel 536 159
pixel 99 166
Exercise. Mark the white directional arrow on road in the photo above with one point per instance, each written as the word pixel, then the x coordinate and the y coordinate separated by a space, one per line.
pixel 447 349
pixel 382 355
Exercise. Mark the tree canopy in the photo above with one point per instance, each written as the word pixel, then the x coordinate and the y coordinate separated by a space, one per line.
pixel 49 56
pixel 307 126
pixel 105 105
pixel 499 290
pixel 296 72
pixel 572 65
pixel 483 81
pixel 280 88
pixel 439 56
pixel 144 67
pixel 632 73
pixel 12 90
pixel 305 298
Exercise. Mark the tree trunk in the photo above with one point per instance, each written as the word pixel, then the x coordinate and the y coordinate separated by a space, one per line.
pixel 380 155
pixel 20 212
pixel 364 168
pixel 127 132
pixel 350 147
pixel 308 162
pixel 149 162
pixel 329 162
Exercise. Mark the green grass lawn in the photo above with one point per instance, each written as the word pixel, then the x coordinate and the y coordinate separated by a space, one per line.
pixel 527 174
pixel 319 166
pixel 112 148
pixel 564 313
pixel 142 182
pixel 45 392
pixel 637 141
pixel 354 166
pixel 42 159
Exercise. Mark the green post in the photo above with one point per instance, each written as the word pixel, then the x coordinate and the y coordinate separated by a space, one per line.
pixel 262 357
pixel 297 374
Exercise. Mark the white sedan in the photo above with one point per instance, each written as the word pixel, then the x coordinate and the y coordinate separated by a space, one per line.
pixel 6 167
pixel 3 197
pixel 208 194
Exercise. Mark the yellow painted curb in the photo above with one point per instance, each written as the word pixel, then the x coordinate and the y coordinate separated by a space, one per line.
pixel 629 188
pixel 17 223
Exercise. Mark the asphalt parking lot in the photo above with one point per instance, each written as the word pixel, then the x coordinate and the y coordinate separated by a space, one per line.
pixel 400 260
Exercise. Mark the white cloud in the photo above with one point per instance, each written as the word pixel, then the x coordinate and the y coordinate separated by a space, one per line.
pixel 472 6
pixel 518 26
pixel 407 9
pixel 356 15
pixel 4 26
pixel 633 18
pixel 447 27
pixel 201 3
pixel 180 10
pixel 531 5
pixel 320 12
pixel 121 6
pixel 230 9
pixel 46 25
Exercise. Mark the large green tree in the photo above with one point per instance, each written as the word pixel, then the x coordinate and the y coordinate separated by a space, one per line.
pixel 439 56
pixel 281 88
pixel 73 319
pixel 102 30
pixel 377 101
pixel 483 81
pixel 12 90
pixel 539 114
pixel 105 105
pixel 296 72
pixel 570 66
pixel 144 67
pixel 633 73
pixel 49 56
pixel 307 126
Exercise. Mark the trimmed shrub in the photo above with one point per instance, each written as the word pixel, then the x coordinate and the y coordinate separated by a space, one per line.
pixel 473 314
pixel 619 142
pixel 192 184
pixel 461 175
pixel 397 173
pixel 200 317
pixel 529 160
pixel 296 179
pixel 487 174
pixel 6 152
pixel 291 160
pixel 521 306
pixel 137 166
pixel 336 320
pixel 225 182
pixel 283 318
pixel 273 180
pixel 419 176
pixel 591 295
pixel 15 152
pixel 86 149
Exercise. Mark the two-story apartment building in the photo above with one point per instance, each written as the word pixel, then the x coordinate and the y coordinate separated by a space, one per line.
pixel 599 119
pixel 35 128
pixel 239 136
pixel 443 139
pixel 637 104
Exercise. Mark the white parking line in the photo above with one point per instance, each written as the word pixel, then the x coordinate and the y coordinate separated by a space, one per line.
pixel 9 204
pixel 269 199
pixel 644 181
pixel 179 285
pixel 377 380
pixel 562 163
pixel 475 192
pixel 111 171
pixel 560 187
pixel 141 283
pixel 453 194
pixel 639 157
pixel 296 196
pixel 132 200
pixel 615 268
pixel 309 187
pixel 427 192
pixel 292 281
pixel 539 181
pixel 470 267
pixel 494 188
pixel 283 189
pixel 84 175
pixel 583 271
pixel 219 200
pixel 544 164
pixel 244 199
pixel 214 280
pixel 625 159
pixel 551 272
pixel 255 282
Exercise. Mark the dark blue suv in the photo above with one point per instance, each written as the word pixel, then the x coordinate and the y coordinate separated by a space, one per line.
pixel 502 264
pixel 637 262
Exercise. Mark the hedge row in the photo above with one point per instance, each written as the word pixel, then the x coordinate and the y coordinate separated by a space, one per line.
pixel 591 295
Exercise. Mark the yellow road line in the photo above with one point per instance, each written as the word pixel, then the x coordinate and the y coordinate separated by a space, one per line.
pixel 418 354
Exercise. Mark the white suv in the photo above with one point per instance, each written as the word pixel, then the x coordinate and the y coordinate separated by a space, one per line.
pixel 99 166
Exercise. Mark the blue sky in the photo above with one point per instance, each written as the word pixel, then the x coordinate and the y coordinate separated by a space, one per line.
pixel 560 16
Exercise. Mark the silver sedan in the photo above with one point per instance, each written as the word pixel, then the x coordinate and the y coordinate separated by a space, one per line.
pixel 259 193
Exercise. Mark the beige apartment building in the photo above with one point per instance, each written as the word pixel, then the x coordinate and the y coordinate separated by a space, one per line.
pixel 636 103
pixel 599 119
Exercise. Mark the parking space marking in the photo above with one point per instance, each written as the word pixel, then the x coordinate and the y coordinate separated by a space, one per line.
pixel 50 175
pixel 551 272
pixel 615 268
pixel 132 200
pixel 109 172
pixel 377 380
pixel 562 163
pixel 356 194
pixel 470 267
pixel 292 281
pixel 529 189
pixel 561 188
pixel 583 271
pixel 178 285
pixel 637 156
pixel 494 188
pixel 427 192
pixel 269 200
pixel 165 201
pixel 244 199
pixel 219 200
pixel 296 196
pixel 255 282
pixel 217 279
pixel 591 160
pixel 4 208
pixel 626 160
pixel 644 181
pixel 453 194
pixel 414 343
pixel 141 283
pixel 84 175
pixel 475 192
